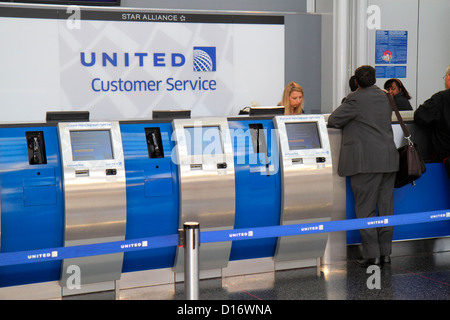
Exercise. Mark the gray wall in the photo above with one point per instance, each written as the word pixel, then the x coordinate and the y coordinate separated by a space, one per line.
pixel 303 56
pixel 428 28
pixel 234 5
pixel 433 47
pixel 399 15
pixel 303 34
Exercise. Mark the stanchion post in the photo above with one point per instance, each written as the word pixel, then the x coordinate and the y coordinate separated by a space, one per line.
pixel 318 266
pixel 191 259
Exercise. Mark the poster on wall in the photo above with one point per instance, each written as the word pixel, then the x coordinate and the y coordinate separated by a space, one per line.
pixel 118 64
pixel 391 52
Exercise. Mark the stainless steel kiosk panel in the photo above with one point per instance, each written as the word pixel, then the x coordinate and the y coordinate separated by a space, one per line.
pixel 307 185
pixel 95 201
pixel 206 170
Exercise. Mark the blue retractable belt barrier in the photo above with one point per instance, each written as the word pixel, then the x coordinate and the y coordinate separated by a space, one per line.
pixel 51 254
pixel 319 227
pixel 60 253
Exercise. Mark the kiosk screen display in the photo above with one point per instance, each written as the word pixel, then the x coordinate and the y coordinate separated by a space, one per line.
pixel 303 135
pixel 203 140
pixel 91 145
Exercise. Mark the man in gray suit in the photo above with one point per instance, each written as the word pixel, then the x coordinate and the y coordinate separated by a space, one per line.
pixel 369 156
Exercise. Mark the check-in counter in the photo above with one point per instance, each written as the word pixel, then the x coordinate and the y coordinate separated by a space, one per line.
pixel 430 193
pixel 92 182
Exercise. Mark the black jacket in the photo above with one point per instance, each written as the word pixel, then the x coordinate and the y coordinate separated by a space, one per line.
pixel 401 102
pixel 435 114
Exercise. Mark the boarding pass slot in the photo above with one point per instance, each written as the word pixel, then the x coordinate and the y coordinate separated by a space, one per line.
pixel 81 173
pixel 297 161
pixel 196 166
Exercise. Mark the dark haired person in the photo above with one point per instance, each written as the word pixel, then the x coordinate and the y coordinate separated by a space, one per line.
pixel 401 96
pixel 369 156
pixel 352 84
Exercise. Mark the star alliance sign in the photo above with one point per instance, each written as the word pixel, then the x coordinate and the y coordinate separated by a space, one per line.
pixel 152 17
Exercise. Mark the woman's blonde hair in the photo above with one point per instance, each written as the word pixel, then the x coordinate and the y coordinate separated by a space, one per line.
pixel 292 86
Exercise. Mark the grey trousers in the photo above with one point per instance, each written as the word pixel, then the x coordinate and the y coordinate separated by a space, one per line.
pixel 372 191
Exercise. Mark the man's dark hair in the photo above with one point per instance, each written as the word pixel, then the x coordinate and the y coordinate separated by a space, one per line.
pixel 365 76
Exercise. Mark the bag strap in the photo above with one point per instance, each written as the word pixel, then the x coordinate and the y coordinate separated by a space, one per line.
pixel 399 117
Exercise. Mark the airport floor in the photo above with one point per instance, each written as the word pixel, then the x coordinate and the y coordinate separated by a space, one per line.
pixel 423 276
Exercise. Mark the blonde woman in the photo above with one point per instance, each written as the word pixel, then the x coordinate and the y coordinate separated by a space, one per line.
pixel 292 99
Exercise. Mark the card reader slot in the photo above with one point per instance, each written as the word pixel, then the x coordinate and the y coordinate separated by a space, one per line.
pixel 154 143
pixel 258 138
pixel 111 172
pixel 297 161
pixel 222 165
pixel 36 147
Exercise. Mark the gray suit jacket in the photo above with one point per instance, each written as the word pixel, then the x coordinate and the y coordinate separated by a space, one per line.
pixel 367 139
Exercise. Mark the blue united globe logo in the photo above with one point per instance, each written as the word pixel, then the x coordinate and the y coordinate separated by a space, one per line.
pixel 204 59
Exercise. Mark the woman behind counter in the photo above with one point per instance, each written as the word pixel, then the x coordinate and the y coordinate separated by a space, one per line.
pixel 292 99
pixel 401 96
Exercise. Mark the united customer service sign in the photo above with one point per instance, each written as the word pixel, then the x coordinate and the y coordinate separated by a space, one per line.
pixel 121 64
pixel 133 68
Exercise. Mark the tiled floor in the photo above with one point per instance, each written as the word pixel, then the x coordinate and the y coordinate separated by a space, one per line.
pixel 413 277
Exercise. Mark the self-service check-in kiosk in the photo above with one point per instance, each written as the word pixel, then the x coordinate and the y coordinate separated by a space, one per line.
pixel 258 188
pixel 152 193
pixel 95 201
pixel 207 185
pixel 307 189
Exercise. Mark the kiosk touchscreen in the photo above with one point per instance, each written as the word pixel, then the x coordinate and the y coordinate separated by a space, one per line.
pixel 307 190
pixel 206 166
pixel 95 198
